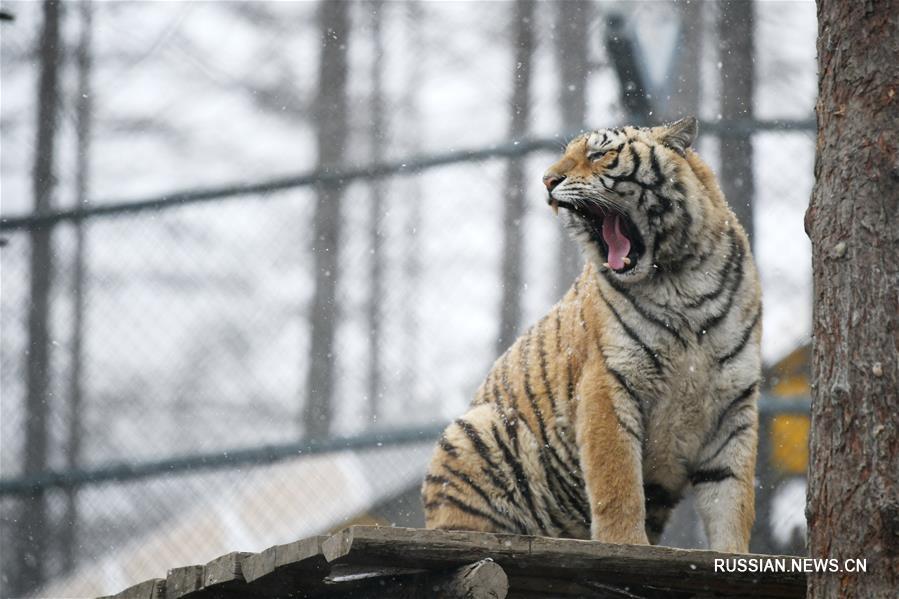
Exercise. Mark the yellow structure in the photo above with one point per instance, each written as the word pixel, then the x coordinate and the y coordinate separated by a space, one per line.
pixel 789 378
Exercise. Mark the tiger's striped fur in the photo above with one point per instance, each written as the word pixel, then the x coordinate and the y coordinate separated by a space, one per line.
pixel 639 382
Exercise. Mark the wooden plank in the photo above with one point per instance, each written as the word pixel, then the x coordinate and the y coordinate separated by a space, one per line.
pixel 182 581
pixel 225 569
pixel 224 574
pixel 297 568
pixel 221 577
pixel 148 589
pixel 662 568
pixel 259 565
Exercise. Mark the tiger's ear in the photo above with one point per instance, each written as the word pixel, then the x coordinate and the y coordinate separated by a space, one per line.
pixel 678 135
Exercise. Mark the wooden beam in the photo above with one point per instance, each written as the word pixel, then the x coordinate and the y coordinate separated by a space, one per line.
pixel 585 562
pixel 484 579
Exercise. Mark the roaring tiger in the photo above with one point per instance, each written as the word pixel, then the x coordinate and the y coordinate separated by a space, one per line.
pixel 641 380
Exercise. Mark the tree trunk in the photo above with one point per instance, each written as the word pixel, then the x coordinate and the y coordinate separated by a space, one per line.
pixel 736 53
pixel 414 23
pixel 513 210
pixel 853 222
pixel 377 131
pixel 331 119
pixel 32 534
pixel 571 56
pixel 83 114
pixel 736 28
pixel 684 79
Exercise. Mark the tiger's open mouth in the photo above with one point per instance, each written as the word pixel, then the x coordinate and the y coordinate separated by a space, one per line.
pixel 615 233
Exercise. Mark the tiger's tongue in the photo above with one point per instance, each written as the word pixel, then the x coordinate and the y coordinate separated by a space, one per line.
pixel 619 244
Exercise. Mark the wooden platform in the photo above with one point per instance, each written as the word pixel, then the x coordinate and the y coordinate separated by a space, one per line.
pixel 365 561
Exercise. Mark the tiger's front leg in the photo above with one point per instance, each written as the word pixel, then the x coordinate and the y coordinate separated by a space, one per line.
pixel 611 460
pixel 723 479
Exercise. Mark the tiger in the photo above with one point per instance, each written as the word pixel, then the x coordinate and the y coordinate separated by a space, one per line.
pixel 642 382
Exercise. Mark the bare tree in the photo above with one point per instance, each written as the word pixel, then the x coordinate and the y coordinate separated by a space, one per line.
pixel 331 121
pixel 83 121
pixel 853 222
pixel 572 60
pixel 685 81
pixel 377 130
pixel 411 246
pixel 32 534
pixel 513 208
pixel 736 29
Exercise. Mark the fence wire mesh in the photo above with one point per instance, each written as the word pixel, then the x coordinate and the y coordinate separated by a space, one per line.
pixel 195 324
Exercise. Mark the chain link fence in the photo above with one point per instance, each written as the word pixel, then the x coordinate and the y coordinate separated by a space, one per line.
pixel 196 341
pixel 191 347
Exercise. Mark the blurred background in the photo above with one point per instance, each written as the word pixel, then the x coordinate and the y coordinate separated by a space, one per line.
pixel 256 254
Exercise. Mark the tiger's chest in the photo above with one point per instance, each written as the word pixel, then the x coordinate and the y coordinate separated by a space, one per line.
pixel 678 407
pixel 678 379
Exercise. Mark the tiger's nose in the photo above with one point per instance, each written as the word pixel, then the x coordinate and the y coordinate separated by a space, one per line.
pixel 552 180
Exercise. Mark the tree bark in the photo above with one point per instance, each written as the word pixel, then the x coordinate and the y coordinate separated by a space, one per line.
pixel 736 29
pixel 572 61
pixel 377 131
pixel 331 118
pixel 32 535
pixel 853 222
pixel 513 208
